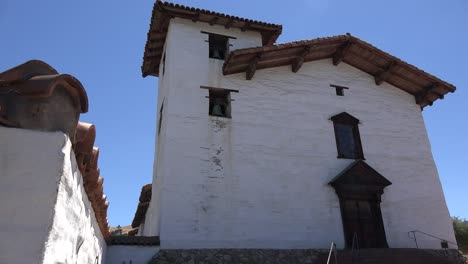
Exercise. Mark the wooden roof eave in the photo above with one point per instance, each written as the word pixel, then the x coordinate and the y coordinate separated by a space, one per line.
pixel 163 12
pixel 425 87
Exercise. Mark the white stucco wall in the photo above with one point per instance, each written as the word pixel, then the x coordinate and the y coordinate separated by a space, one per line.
pixel 178 29
pixel 30 165
pixel 130 254
pixel 75 236
pixel 260 179
pixel 44 208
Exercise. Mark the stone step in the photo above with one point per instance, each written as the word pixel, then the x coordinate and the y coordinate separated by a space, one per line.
pixel 398 256
pixel 309 256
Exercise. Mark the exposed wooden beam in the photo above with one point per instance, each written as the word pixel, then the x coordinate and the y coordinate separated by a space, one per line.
pixel 245 27
pixel 422 96
pixel 249 73
pixel 380 78
pixel 213 20
pixel 229 23
pixel 196 17
pixel 163 24
pixel 341 52
pixel 297 63
pixel 432 89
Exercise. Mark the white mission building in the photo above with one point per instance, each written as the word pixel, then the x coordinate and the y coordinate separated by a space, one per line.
pixel 283 146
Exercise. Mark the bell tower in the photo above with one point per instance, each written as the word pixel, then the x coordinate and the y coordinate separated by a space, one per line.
pixel 186 50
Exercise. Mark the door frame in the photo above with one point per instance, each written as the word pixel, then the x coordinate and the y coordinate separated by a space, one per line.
pixel 374 201
pixel 359 181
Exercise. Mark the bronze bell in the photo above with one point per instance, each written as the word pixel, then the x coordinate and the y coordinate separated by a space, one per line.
pixel 217 110
pixel 216 54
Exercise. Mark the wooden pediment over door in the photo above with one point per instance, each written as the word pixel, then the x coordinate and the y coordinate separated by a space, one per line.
pixel 359 177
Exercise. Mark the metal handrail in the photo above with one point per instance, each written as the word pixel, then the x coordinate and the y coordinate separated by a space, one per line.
pixel 332 249
pixel 355 246
pixel 424 233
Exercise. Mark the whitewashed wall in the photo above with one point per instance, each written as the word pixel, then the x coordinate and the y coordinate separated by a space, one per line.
pixel 260 179
pixel 75 236
pixel 44 209
pixel 30 165
pixel 130 254
pixel 179 28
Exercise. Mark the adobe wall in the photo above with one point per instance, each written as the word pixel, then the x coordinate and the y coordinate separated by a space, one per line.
pixel 260 179
pixel 46 215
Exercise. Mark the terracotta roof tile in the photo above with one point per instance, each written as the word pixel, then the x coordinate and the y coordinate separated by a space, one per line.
pixel 198 10
pixel 25 71
pixel 87 158
pixel 84 141
pixel 38 79
pixel 144 201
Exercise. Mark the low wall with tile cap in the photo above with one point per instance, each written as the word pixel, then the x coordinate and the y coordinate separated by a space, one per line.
pixel 46 215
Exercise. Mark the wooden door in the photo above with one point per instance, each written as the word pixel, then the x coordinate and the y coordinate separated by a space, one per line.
pixel 362 217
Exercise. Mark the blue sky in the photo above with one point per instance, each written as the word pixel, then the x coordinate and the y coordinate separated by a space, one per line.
pixel 101 43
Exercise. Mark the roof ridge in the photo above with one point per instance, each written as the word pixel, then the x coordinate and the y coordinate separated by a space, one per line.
pixel 161 3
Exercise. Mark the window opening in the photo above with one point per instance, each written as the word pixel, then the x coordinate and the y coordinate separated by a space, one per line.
pixel 339 89
pixel 160 117
pixel 220 103
pixel 218 46
pixel 348 141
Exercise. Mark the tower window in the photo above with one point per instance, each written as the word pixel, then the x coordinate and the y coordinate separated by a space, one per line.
pixel 339 89
pixel 218 46
pixel 348 141
pixel 160 117
pixel 220 103
pixel 164 64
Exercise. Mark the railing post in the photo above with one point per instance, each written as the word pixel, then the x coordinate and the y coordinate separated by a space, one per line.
pixel 336 253
pixel 332 250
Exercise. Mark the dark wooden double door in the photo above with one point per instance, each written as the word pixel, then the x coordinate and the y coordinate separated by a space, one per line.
pixel 362 222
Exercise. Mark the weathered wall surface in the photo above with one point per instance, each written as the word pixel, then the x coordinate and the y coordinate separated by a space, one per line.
pixel 30 167
pixel 170 77
pixel 260 179
pixel 45 212
pixel 75 236
pixel 130 254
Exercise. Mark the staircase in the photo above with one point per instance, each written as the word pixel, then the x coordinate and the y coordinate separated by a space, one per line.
pixel 397 256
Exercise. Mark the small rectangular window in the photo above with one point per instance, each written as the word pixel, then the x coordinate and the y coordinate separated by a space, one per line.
pixel 220 103
pixel 339 89
pixel 218 46
pixel 160 117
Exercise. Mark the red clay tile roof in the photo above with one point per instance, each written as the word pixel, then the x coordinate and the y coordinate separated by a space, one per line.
pixel 351 50
pixel 38 79
pixel 134 240
pixel 144 201
pixel 84 141
pixel 87 158
pixel 25 71
pixel 164 11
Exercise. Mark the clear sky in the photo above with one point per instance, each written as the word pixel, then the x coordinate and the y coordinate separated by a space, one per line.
pixel 102 42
